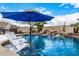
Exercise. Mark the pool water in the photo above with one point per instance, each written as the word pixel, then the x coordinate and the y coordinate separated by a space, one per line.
pixel 48 45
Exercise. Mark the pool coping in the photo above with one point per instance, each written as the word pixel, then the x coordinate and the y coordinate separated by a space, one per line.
pixel 5 52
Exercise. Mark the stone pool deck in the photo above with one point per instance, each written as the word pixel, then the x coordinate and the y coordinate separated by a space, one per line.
pixel 4 51
pixel 72 36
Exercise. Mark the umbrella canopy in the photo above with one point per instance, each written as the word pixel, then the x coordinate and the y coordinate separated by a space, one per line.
pixel 32 16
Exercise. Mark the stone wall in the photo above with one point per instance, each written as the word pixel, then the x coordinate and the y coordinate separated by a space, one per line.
pixel 68 29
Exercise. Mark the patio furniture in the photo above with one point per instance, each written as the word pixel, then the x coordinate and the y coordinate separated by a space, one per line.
pixel 18 42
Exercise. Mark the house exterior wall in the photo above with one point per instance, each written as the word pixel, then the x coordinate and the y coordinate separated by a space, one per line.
pixel 23 29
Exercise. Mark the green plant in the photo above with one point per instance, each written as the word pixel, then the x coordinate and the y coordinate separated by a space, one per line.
pixel 75 27
pixel 39 25
pixel 32 30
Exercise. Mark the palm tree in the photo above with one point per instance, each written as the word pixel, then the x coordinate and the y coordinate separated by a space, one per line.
pixel 75 27
pixel 39 25
pixel 64 27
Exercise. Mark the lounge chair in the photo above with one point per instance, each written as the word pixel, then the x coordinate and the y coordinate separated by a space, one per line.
pixel 13 36
pixel 18 42
pixel 3 38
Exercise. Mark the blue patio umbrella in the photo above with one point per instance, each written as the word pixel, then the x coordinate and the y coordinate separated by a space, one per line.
pixel 27 16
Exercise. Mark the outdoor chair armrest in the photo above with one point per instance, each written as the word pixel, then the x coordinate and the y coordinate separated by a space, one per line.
pixel 18 38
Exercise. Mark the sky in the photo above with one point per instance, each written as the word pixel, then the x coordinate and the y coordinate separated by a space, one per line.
pixel 68 12
pixel 54 8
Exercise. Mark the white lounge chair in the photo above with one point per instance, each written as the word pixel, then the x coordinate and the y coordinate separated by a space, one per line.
pixel 19 43
pixel 12 35
pixel 3 38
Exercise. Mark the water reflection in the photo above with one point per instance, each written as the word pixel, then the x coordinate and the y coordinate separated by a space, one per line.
pixel 76 45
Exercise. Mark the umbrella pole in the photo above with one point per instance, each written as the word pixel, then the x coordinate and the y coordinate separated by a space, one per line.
pixel 30 40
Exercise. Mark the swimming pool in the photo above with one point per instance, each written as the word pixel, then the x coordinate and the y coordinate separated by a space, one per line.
pixel 48 45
